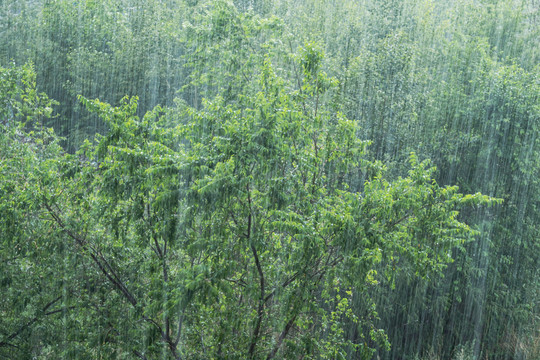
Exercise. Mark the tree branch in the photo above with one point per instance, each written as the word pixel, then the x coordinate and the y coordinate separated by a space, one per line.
pixel 103 265
pixel 260 310
pixel 282 337
pixel 283 285
pixel 44 312
pixel 139 355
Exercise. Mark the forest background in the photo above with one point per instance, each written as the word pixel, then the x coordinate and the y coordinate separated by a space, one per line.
pixel 273 179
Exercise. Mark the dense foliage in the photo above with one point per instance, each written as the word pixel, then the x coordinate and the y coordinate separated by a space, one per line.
pixel 260 186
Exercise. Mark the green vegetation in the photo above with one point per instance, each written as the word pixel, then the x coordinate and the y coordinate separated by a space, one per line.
pixel 269 180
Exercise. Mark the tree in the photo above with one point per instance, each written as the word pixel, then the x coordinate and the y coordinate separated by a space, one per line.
pixel 236 230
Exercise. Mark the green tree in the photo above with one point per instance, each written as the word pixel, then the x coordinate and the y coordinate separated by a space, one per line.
pixel 452 81
pixel 237 230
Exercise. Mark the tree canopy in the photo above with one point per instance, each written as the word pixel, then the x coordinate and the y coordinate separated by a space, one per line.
pixel 230 180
